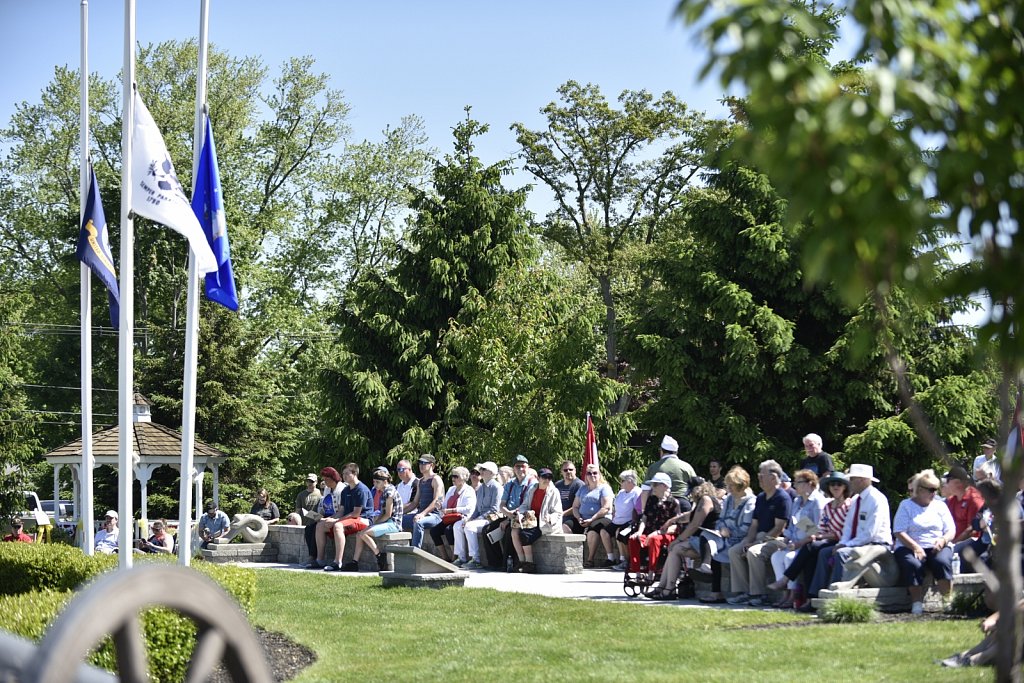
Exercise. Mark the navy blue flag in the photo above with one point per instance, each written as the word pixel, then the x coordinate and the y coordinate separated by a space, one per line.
pixel 208 205
pixel 94 247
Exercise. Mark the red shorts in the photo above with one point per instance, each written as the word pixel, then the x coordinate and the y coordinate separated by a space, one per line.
pixel 353 525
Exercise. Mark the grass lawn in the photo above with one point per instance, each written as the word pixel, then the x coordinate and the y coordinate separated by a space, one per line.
pixel 361 631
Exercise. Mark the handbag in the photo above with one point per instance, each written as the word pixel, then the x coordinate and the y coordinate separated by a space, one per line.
pixel 450 518
pixel 527 521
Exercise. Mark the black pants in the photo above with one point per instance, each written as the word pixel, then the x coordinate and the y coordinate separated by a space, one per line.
pixel 491 553
pixel 309 533
pixel 805 560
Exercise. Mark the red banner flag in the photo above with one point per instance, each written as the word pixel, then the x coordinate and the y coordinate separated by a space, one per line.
pixel 590 453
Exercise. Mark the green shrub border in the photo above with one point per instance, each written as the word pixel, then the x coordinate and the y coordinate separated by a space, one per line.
pixel 45 577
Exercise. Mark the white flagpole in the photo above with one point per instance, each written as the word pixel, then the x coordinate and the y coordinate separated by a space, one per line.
pixel 125 346
pixel 188 402
pixel 84 512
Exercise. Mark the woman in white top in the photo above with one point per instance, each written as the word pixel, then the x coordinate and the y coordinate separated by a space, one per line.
pixel 924 528
pixel 457 505
pixel 623 517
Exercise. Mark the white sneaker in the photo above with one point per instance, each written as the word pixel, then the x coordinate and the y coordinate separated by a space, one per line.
pixel 917 608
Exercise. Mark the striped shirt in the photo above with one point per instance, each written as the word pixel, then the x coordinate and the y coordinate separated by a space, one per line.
pixel 833 518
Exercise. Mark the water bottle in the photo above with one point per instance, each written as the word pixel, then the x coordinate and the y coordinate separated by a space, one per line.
pixel 956 563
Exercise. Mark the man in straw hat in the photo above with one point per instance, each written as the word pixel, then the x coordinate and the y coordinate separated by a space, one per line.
pixel 867 535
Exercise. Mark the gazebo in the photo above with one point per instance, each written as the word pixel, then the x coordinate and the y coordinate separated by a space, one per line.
pixel 153 446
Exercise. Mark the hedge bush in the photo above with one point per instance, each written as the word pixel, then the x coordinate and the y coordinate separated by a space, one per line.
pixel 27 567
pixel 169 637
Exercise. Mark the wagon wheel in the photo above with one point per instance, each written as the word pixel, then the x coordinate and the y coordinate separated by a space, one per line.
pixel 112 605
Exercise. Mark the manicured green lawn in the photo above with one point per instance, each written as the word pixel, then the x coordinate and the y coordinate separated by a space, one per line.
pixel 362 632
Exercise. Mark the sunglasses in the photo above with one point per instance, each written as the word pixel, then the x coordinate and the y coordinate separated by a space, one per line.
pixel 928 489
pixel 456 476
pixel 592 474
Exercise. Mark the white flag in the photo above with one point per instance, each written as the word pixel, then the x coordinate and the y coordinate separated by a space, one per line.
pixel 156 192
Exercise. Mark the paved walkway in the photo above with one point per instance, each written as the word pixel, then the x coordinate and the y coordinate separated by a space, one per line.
pixel 591 584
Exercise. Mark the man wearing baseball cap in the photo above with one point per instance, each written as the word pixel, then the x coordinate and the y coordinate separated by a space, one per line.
pixel 963 500
pixel 679 471
pixel 987 461
pixel 106 538
pixel 18 532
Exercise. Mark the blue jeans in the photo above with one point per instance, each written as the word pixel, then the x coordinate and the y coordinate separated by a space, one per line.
pixel 428 522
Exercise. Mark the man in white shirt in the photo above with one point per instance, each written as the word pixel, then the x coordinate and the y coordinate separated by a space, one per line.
pixel 867 535
pixel 106 538
pixel 987 461
pixel 407 486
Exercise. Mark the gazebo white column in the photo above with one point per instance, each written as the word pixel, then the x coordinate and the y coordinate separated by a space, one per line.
pixel 56 489
pixel 197 477
pixel 143 473
pixel 76 496
pixel 216 481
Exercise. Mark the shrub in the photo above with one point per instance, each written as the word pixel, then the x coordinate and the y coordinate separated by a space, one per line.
pixel 26 567
pixel 847 611
pixel 968 604
pixel 169 637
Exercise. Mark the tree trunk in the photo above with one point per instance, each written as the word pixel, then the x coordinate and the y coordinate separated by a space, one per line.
pixel 1008 639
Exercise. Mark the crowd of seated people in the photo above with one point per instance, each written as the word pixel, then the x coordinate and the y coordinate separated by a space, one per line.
pixel 799 534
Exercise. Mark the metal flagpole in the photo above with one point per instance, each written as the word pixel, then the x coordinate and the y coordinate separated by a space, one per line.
pixel 84 512
pixel 188 402
pixel 125 347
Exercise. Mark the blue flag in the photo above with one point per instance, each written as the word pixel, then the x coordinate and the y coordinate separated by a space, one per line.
pixel 208 205
pixel 94 247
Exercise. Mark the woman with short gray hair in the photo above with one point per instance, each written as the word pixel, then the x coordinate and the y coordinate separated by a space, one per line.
pixel 457 505
pixel 623 515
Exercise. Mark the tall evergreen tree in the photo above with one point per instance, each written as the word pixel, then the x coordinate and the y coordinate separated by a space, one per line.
pixel 395 388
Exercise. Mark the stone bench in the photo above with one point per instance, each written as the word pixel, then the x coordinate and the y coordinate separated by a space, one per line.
pixel 239 552
pixel 416 568
pixel 552 554
pixel 559 554
pixel 289 540
pixel 897 598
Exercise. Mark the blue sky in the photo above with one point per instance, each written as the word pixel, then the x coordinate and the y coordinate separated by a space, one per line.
pixel 391 58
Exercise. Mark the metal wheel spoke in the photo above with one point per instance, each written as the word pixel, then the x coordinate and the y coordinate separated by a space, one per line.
pixel 131 651
pixel 210 646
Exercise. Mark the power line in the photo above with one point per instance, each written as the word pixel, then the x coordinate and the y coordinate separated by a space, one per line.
pixel 53 386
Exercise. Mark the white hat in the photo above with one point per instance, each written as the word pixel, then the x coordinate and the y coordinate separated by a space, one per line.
pixel 669 445
pixel 866 471
pixel 660 478
pixel 489 466
pixel 111 513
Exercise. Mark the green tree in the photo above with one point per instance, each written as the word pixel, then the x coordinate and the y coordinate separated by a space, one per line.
pixel 18 443
pixel 395 388
pixel 923 142
pixel 747 360
pixel 256 381
pixel 616 176
pixel 530 361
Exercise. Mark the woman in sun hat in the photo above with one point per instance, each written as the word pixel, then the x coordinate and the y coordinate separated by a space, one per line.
pixel 833 516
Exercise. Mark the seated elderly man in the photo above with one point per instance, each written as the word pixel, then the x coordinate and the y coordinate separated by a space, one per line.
pixel 867 534
pixel 107 538
pixel 749 560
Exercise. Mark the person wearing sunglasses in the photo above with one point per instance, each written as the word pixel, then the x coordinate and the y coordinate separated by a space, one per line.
pixel 804 522
pixel 591 510
pixel 568 488
pixel 924 531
